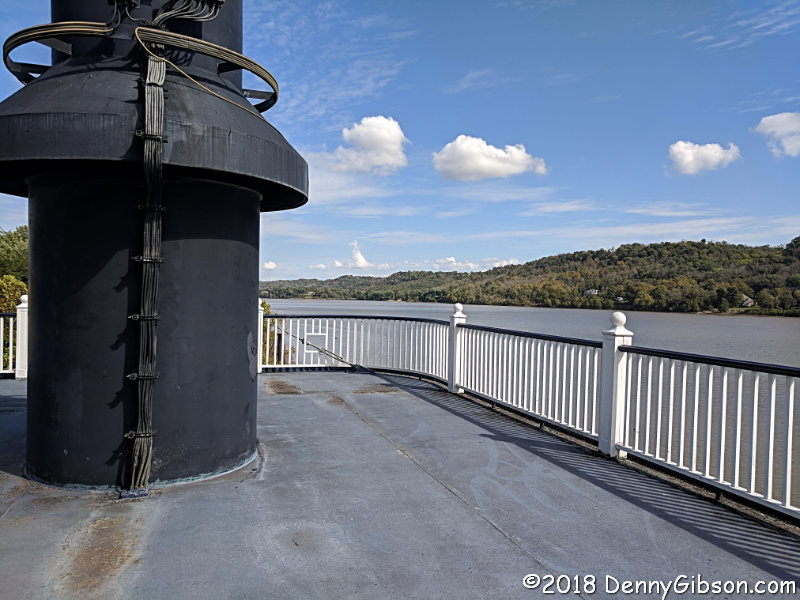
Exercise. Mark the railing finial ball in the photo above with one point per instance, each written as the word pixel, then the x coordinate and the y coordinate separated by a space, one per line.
pixel 618 319
pixel 458 314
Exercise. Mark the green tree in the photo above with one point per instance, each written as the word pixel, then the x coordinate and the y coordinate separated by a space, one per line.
pixel 785 299
pixel 765 299
pixel 659 295
pixel 11 290
pixel 793 247
pixel 14 253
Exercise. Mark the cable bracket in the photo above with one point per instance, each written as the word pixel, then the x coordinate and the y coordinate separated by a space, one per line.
pixel 142 376
pixel 148 259
pixel 138 317
pixel 135 434
pixel 150 136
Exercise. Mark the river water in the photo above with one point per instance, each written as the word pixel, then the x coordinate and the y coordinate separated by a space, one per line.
pixel 774 340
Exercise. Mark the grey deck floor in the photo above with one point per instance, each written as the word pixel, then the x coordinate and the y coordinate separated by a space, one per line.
pixel 374 487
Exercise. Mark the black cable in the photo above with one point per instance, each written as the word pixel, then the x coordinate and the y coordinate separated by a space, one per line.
pixel 142 453
pixel 116 18
pixel 144 22
pixel 153 136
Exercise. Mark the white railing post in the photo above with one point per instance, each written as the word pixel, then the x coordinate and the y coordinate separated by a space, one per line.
pixel 612 387
pixel 21 354
pixel 260 336
pixel 453 349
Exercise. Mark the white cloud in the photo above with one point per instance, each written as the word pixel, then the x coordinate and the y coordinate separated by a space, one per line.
pixel 764 101
pixel 605 98
pixel 500 191
pixel 381 210
pixel 470 159
pixel 327 187
pixel 456 212
pixel 668 209
pixel 275 224
pixel 410 265
pixel 360 261
pixel 689 158
pixel 376 144
pixel 327 59
pixel 590 233
pixel 477 79
pixel 783 133
pixel 742 28
pixel 410 238
pixel 451 264
pixel 270 265
pixel 492 263
pixel 604 236
pixel 564 78
pixel 543 208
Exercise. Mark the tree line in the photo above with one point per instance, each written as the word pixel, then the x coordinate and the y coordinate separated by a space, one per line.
pixel 13 267
pixel 688 276
pixel 683 276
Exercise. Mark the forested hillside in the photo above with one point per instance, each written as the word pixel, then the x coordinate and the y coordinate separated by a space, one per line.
pixel 13 267
pixel 677 277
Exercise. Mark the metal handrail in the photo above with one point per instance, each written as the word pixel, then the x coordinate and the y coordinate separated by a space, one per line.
pixel 539 336
pixel 343 316
pixel 715 360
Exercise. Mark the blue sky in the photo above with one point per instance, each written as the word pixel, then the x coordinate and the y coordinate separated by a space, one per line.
pixel 461 135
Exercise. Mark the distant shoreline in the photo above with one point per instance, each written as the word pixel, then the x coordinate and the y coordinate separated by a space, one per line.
pixel 623 308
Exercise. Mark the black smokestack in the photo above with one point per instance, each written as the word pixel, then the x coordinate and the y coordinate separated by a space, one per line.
pixel 146 168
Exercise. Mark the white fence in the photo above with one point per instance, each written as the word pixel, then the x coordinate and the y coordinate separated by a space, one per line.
pixel 731 424
pixel 14 341
pixel 397 344
pixel 554 378
pixel 8 345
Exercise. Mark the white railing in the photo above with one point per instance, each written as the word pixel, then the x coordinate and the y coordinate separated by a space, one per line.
pixel 8 345
pixel 396 344
pixel 731 424
pixel 553 378
pixel 14 341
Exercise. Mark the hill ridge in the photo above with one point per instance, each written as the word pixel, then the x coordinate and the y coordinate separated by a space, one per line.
pixel 687 276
